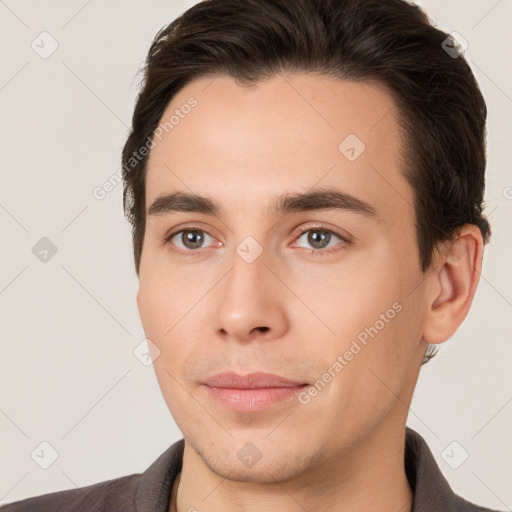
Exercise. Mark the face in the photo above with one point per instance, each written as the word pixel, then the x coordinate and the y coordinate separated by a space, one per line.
pixel 323 291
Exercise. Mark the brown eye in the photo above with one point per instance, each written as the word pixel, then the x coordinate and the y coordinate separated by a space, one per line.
pixel 318 239
pixel 321 240
pixel 192 239
pixel 189 239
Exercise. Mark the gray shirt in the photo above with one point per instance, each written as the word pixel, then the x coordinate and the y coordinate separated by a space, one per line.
pixel 151 490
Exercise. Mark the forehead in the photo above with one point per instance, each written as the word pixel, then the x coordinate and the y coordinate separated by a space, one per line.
pixel 288 133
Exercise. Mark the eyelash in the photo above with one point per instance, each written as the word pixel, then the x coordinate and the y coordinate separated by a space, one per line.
pixel 320 227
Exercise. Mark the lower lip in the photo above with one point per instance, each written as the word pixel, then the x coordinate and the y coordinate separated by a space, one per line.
pixel 252 400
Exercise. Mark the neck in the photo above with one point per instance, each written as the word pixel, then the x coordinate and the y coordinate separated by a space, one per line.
pixel 369 476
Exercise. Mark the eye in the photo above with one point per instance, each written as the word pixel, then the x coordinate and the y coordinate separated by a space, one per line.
pixel 322 240
pixel 190 239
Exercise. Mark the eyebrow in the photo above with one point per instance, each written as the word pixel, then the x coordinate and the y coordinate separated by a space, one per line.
pixel 320 199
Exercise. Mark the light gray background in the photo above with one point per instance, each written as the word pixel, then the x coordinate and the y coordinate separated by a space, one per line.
pixel 69 326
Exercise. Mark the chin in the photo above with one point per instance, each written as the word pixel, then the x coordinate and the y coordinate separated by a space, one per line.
pixel 261 472
pixel 250 464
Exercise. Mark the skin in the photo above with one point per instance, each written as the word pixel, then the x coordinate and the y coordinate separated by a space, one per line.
pixel 242 146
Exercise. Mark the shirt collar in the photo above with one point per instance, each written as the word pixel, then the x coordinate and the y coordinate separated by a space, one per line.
pixel 430 488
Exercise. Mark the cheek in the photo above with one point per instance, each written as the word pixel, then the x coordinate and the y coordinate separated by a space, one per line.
pixel 160 308
pixel 153 306
pixel 385 332
pixel 349 297
pixel 163 298
pixel 368 315
pixel 171 312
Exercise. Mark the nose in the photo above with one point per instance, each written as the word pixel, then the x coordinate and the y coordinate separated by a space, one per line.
pixel 252 302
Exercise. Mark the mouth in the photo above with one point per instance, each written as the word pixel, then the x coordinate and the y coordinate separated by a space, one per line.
pixel 253 392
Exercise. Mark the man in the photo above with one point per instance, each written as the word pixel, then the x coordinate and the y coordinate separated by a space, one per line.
pixel 305 183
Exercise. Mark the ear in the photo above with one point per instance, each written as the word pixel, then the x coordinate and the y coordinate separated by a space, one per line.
pixel 453 282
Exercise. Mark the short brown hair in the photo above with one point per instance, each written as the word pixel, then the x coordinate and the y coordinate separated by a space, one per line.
pixel 388 42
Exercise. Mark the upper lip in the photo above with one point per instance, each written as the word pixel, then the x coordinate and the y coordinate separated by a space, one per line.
pixel 250 381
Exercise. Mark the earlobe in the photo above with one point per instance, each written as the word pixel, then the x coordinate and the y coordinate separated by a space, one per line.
pixel 454 281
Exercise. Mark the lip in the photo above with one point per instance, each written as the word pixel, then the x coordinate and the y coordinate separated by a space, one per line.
pixel 253 392
pixel 250 381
